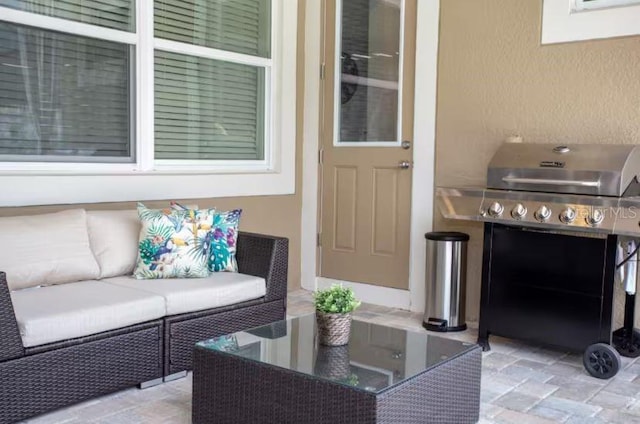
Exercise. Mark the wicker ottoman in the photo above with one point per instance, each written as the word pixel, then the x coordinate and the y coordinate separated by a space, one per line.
pixel 391 376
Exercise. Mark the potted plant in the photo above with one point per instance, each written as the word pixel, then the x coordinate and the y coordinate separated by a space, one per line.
pixel 334 307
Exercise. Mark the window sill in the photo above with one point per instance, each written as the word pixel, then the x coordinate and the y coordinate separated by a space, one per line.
pixel 25 190
pixel 86 169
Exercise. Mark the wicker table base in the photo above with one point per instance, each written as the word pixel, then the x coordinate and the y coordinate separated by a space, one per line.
pixel 233 389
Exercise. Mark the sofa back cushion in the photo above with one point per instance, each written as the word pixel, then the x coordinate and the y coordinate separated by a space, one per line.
pixel 46 249
pixel 114 240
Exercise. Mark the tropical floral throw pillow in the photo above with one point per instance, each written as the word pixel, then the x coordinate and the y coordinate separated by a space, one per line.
pixel 174 243
pixel 223 240
pixel 222 343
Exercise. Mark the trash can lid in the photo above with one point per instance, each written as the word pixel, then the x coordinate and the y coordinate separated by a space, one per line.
pixel 447 236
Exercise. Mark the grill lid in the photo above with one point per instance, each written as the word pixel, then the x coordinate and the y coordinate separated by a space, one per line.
pixel 593 169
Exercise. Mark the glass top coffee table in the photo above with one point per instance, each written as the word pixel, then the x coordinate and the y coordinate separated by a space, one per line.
pixel 279 374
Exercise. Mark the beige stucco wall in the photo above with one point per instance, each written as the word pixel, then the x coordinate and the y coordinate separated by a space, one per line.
pixel 495 80
pixel 277 215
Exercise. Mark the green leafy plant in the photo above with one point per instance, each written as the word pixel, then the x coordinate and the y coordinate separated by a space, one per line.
pixel 351 380
pixel 335 300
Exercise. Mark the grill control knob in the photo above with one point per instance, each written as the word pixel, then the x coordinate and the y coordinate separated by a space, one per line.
pixel 595 217
pixel 567 216
pixel 518 211
pixel 496 209
pixel 543 213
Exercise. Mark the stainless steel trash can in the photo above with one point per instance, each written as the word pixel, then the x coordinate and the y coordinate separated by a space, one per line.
pixel 446 280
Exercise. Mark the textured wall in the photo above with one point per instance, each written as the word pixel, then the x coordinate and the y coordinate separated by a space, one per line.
pixel 495 80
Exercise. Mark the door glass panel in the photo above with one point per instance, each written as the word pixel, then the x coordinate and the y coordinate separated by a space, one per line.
pixel 368 55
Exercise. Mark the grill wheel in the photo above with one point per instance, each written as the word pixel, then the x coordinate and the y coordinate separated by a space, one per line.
pixel 601 360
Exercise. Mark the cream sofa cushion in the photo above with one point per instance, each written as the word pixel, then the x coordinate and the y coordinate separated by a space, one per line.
pixel 67 311
pixel 114 240
pixel 195 294
pixel 46 249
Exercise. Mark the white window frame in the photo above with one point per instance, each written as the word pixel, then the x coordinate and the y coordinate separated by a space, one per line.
pixel 574 20
pixel 29 183
pixel 602 4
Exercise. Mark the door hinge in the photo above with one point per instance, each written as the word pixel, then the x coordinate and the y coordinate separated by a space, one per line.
pixel 322 70
pixel 321 156
pixel 318 239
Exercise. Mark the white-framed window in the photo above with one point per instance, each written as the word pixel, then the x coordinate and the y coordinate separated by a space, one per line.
pixel 137 91
pixel 601 4
pixel 575 20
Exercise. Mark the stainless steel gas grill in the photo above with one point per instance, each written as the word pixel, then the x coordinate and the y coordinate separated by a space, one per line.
pixel 559 224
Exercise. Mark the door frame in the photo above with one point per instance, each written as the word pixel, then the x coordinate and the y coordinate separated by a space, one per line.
pixel 422 190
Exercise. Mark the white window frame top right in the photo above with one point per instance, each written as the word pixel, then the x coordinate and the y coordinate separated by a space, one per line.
pixel 575 20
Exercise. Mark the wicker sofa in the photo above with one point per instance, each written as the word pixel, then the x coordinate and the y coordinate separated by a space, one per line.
pixel 70 331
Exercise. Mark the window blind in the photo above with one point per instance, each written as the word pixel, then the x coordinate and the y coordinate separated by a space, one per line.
pixel 208 109
pixel 241 26
pixel 116 14
pixel 204 108
pixel 63 96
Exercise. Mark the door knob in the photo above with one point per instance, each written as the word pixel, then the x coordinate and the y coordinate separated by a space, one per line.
pixel 406 145
pixel 404 164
